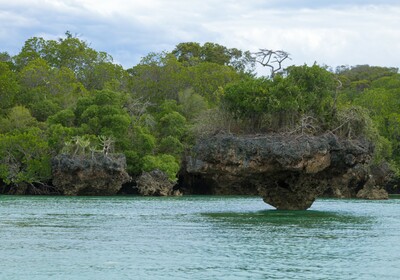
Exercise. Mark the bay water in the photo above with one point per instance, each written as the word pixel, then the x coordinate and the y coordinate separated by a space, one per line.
pixel 196 237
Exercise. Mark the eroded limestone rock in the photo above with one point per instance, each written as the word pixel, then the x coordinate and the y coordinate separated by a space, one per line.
pixel 155 183
pixel 372 191
pixel 289 172
pixel 97 174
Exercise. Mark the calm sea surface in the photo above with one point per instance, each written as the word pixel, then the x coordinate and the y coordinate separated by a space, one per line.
pixel 196 237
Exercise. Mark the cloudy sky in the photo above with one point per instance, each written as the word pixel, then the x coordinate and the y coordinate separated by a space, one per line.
pixel 340 32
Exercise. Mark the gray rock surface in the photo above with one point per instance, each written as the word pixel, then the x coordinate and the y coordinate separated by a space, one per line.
pixel 155 183
pixel 97 174
pixel 372 191
pixel 289 172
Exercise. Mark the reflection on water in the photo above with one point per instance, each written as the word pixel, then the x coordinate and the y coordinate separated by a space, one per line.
pixel 284 218
pixel 196 237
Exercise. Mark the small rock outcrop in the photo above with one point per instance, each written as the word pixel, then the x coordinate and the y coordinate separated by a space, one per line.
pixel 385 177
pixel 155 183
pixel 289 172
pixel 98 174
pixel 372 191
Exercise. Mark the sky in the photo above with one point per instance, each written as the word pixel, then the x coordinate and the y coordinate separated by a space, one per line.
pixel 333 33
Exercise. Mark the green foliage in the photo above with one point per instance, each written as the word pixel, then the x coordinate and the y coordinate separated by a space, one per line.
pixel 171 145
pixel 143 141
pixel 189 52
pixel 46 90
pixel 206 78
pixel 19 118
pixel 80 145
pixel 382 101
pixel 103 114
pixel 172 124
pixel 58 135
pixel 163 162
pixel 249 99
pixel 192 104
pixel 353 122
pixel 9 87
pixel 64 117
pixel 376 89
pixel 365 72
pixel 316 86
pixel 24 157
pixel 43 110
pixel 192 53
pixel 305 91
pixel 163 77
pixel 134 162
pixel 70 55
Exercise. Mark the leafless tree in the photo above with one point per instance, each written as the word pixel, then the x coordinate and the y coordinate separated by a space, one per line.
pixel 108 144
pixel 271 59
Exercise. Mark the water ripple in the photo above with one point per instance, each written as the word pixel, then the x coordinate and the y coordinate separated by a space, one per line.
pixel 196 238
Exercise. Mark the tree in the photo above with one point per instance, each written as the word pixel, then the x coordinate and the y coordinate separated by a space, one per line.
pixel 9 87
pixel 69 52
pixel 192 104
pixel 170 122
pixel 106 75
pixel 162 76
pixel 384 108
pixel 365 72
pixel 271 59
pixel 163 162
pixel 172 146
pixel 5 57
pixel 64 117
pixel 103 113
pixel 316 88
pixel 58 135
pixel 32 50
pixel 19 118
pixel 24 157
pixel 206 78
pixel 192 53
pixel 283 101
pixel 249 99
pixel 46 90
pixel 157 77
pixel 189 53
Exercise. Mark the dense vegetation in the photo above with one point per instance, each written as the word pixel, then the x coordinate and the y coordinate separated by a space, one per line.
pixel 62 96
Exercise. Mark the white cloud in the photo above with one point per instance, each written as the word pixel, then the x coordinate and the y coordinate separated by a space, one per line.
pixel 346 32
pixel 357 35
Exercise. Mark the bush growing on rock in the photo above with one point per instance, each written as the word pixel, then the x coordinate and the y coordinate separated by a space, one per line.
pixel 278 104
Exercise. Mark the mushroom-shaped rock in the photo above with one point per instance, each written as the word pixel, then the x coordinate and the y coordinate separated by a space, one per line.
pixel 289 172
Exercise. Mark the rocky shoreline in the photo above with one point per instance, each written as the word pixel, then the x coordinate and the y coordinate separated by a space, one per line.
pixel 287 171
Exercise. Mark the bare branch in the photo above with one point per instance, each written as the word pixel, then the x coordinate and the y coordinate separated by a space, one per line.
pixel 269 58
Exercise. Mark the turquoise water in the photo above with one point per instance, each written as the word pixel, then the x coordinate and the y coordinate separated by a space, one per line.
pixel 196 237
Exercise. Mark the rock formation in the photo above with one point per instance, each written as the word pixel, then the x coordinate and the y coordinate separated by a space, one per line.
pixel 372 191
pixel 289 172
pixel 155 183
pixel 385 177
pixel 97 174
